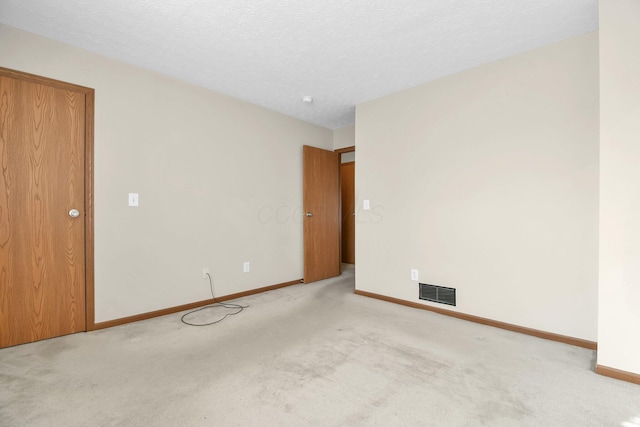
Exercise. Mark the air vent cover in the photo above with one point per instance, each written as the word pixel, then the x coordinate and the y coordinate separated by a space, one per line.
pixel 437 294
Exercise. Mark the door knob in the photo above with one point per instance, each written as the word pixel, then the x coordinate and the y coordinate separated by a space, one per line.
pixel 309 214
pixel 74 213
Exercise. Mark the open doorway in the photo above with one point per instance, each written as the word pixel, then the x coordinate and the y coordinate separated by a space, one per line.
pixel 347 195
pixel 329 212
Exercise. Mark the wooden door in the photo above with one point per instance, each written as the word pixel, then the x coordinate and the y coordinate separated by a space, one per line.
pixel 347 180
pixel 42 246
pixel 321 186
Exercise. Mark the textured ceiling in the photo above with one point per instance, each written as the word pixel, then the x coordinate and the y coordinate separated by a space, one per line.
pixel 274 52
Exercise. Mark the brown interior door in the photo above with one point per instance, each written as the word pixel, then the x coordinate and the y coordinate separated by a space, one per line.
pixel 321 186
pixel 42 241
pixel 347 180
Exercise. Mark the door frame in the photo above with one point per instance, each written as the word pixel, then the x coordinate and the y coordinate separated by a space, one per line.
pixel 329 159
pixel 341 151
pixel 89 96
pixel 344 235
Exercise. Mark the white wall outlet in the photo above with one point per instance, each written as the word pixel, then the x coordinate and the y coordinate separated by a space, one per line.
pixel 133 199
pixel 365 205
pixel 205 273
pixel 246 267
pixel 414 274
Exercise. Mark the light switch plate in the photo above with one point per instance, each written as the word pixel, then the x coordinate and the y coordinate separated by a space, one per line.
pixel 365 205
pixel 133 199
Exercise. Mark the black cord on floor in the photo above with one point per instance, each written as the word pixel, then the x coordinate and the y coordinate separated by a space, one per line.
pixel 216 304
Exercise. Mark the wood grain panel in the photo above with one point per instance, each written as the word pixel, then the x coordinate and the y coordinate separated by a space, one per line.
pixel 7 239
pixel 618 374
pixel 42 131
pixel 347 181
pixel 350 149
pixel 89 105
pixel 321 186
pixel 45 81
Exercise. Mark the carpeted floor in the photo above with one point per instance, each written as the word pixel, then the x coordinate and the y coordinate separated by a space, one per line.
pixel 312 354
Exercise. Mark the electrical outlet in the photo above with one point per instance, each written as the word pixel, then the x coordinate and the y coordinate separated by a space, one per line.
pixel 414 274
pixel 205 273
pixel 246 267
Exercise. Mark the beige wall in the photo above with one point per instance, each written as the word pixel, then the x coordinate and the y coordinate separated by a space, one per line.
pixel 348 157
pixel 344 137
pixel 220 182
pixel 619 296
pixel 487 181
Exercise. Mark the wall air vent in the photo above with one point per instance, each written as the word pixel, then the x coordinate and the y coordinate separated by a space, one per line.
pixel 437 294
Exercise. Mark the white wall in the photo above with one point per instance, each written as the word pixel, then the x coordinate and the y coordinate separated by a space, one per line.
pixel 219 182
pixel 487 181
pixel 619 295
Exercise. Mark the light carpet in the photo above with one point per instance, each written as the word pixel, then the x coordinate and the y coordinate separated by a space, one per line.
pixel 312 354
